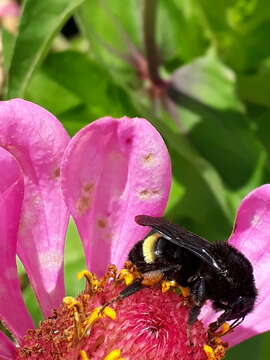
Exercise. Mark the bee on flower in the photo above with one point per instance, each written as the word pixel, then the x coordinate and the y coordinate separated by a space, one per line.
pixel 109 172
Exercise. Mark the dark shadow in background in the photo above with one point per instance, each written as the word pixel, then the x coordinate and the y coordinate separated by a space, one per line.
pixel 223 137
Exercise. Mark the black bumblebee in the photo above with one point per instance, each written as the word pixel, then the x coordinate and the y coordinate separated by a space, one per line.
pixel 214 271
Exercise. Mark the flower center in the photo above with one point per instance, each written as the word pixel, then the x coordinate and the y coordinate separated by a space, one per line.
pixel 99 325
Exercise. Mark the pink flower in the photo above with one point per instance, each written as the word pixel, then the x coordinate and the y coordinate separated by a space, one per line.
pixel 9 8
pixel 112 170
pixel 9 14
pixel 252 237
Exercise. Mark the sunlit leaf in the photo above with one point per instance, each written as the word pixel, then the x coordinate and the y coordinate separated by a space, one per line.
pixel 90 82
pixel 205 92
pixel 40 21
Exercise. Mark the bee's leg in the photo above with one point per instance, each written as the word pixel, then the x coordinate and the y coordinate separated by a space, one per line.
pixel 222 318
pixel 198 294
pixel 193 314
pixel 131 289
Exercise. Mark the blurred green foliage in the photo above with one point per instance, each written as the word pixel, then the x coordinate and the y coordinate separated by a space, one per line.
pixel 210 98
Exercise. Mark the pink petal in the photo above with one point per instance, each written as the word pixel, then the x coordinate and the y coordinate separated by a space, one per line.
pixel 37 140
pixel 251 235
pixel 112 170
pixel 7 348
pixel 12 309
pixel 9 8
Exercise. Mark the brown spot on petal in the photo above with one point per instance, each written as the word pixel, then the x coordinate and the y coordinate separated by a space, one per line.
pixel 148 158
pixel 83 204
pixel 101 223
pixel 88 188
pixel 148 194
pixel 109 237
pixel 56 173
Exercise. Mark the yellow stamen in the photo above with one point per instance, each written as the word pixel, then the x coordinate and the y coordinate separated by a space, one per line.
pixel 77 323
pixel 92 282
pixel 209 352
pixel 167 285
pixel 94 316
pixel 84 355
pixel 99 313
pixel 69 300
pixel 82 273
pixel 77 307
pixel 127 276
pixel 72 302
pixel 110 312
pixel 114 355
pixel 185 291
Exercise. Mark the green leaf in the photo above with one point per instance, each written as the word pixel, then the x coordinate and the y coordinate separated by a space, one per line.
pixel 232 149
pixel 255 88
pixel 8 43
pixel 246 52
pixel 90 82
pixel 46 92
pixel 28 294
pixel 209 81
pixel 200 194
pixel 205 92
pixel 263 129
pixel 242 31
pixel 184 36
pixel 40 21
pixel 110 27
pixel 74 261
pixel 249 349
pixel 76 118
pixel 256 179
pixel 263 351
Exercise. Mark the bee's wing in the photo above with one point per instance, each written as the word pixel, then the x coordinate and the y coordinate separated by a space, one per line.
pixel 182 238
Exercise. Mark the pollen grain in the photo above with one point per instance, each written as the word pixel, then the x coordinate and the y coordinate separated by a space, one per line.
pixel 185 291
pixel 209 352
pixel 114 355
pixel 127 276
pixel 167 285
pixel 223 330
pixel 84 356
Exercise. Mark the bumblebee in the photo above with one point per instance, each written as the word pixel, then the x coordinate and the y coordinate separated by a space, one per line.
pixel 211 271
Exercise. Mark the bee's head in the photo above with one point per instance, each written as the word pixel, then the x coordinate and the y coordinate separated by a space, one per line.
pixel 241 306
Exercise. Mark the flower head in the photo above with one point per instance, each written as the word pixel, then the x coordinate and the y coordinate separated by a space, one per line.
pixel 111 171
pixel 145 326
